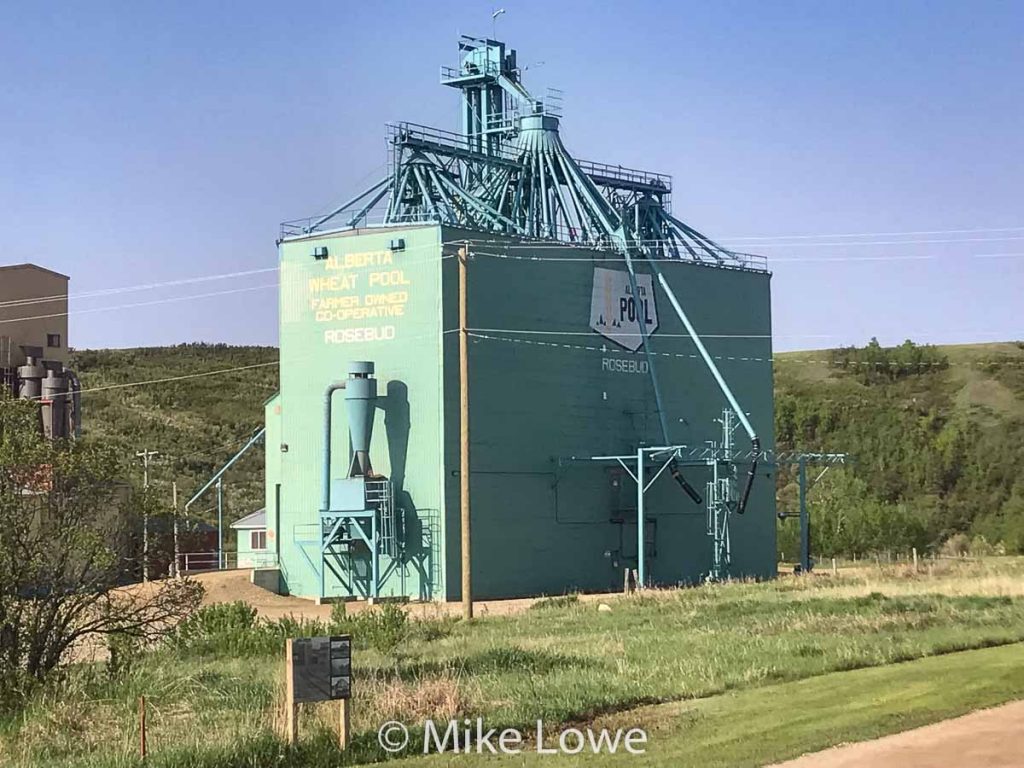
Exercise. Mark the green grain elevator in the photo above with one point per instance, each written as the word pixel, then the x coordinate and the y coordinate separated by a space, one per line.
pixel 608 342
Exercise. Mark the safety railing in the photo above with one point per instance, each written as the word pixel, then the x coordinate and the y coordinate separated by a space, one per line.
pixel 199 562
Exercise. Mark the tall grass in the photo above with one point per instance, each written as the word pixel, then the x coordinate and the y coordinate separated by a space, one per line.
pixel 215 688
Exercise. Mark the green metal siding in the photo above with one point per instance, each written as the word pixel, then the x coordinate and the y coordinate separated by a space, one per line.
pixel 541 528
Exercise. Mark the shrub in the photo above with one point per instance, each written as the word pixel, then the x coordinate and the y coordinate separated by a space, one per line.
pixel 236 629
pixel 385 628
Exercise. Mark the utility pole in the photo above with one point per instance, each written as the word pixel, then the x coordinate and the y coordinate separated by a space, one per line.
pixel 145 455
pixel 177 548
pixel 467 586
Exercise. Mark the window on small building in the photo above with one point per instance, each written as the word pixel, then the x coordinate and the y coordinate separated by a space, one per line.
pixel 258 539
pixel 53 339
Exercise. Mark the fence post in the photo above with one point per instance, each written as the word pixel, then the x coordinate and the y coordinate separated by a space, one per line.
pixel 914 552
pixel 835 571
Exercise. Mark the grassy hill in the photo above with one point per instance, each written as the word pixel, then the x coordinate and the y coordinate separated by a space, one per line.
pixel 937 435
pixel 196 424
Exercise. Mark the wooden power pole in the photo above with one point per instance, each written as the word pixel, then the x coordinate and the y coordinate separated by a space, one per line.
pixel 177 545
pixel 467 579
pixel 145 455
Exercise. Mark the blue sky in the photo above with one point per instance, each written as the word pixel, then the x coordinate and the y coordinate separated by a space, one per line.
pixel 144 142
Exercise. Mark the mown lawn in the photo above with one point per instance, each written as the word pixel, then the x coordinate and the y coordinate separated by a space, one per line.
pixel 773 723
pixel 567 662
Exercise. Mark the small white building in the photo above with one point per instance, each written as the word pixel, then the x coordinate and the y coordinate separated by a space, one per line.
pixel 252 540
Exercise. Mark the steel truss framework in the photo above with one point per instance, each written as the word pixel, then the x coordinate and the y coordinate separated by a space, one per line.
pixel 509 173
pixel 650 463
pixel 345 534
pixel 802 461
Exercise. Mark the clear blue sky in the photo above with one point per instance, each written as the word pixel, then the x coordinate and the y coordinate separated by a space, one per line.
pixel 144 142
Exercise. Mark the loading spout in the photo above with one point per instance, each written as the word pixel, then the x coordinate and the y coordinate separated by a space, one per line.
pixel 755 442
pixel 755 445
pixel 673 468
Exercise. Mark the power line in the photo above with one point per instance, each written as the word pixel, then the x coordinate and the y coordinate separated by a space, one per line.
pixel 182 281
pixel 134 305
pixel 130 288
pixel 709 262
pixel 884 242
pixel 605 349
pixel 183 377
pixel 764 238
pixel 586 246
pixel 637 334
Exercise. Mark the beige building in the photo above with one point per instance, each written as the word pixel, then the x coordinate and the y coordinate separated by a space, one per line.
pixel 33 313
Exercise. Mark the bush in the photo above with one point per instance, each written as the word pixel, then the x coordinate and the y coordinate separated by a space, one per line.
pixel 383 628
pixel 236 629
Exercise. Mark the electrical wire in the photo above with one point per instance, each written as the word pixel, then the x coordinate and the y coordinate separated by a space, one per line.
pixel 537 332
pixel 183 377
pixel 547 245
pixel 172 299
pixel 130 288
pixel 605 349
pixel 772 260
pixel 764 238
pixel 134 305
pixel 182 281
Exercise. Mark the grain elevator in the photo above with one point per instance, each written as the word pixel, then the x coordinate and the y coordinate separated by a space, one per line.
pixel 619 371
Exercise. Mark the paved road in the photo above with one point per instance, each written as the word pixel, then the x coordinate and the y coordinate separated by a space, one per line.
pixel 991 738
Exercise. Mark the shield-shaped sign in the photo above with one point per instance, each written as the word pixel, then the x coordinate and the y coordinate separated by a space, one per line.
pixel 615 314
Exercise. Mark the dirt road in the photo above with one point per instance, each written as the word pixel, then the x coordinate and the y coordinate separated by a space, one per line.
pixel 991 738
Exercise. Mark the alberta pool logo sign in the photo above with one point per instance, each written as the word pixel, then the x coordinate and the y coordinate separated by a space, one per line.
pixel 614 313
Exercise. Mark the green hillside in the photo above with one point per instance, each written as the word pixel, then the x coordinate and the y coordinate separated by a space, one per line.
pixel 196 424
pixel 938 439
pixel 937 435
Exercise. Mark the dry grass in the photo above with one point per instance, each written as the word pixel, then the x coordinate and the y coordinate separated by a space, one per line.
pixel 992 577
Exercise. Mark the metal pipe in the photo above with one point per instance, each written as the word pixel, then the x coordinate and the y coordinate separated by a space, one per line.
pixel 353 201
pixel 220 526
pixel 325 477
pixel 644 342
pixel 641 569
pixel 755 442
pixel 642 325
pixel 673 468
pixel 257 436
pixel 805 520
